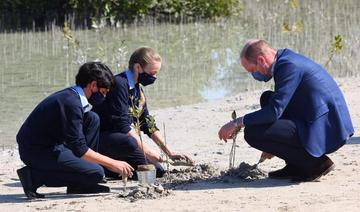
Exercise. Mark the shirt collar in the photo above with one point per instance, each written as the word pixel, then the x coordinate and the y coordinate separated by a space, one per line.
pixel 129 76
pixel 84 101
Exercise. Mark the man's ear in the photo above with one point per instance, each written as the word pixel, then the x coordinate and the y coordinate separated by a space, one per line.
pixel 137 67
pixel 261 60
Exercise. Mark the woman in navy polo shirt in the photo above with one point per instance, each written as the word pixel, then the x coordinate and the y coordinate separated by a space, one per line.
pixel 118 139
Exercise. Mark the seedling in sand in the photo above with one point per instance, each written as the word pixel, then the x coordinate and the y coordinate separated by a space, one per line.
pixel 136 113
pixel 233 147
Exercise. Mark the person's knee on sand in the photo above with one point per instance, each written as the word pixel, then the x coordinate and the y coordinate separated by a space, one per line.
pixel 95 175
pixel 59 140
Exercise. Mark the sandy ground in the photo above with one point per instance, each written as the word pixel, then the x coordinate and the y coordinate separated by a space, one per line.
pixel 193 129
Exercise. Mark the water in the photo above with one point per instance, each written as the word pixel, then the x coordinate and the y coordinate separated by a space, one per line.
pixel 200 59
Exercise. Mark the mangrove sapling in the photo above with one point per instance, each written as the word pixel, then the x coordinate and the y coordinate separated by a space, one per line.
pixel 124 178
pixel 167 157
pixel 146 172
pixel 179 162
pixel 233 147
pixel 136 113
pixel 335 48
pixel 150 120
pixel 69 37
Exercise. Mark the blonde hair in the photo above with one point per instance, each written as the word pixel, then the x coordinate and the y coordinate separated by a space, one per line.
pixel 143 56
pixel 253 48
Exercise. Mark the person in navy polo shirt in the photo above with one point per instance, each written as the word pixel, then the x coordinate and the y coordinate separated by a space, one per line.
pixel 117 138
pixel 58 142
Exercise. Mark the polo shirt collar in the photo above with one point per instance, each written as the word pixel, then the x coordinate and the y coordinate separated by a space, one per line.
pixel 84 101
pixel 129 76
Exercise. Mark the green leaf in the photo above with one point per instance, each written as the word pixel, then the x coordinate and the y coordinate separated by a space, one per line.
pixel 293 4
pixel 233 115
pixel 150 120
pixel 286 27
pixel 299 26
pixel 138 112
pixel 337 44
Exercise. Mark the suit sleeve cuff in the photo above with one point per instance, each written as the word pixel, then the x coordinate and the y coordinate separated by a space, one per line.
pixel 244 120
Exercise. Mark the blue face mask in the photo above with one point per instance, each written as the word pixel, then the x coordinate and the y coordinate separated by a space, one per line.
pixel 260 77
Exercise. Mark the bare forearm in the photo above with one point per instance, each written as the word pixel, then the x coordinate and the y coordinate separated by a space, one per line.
pixel 159 140
pixel 95 157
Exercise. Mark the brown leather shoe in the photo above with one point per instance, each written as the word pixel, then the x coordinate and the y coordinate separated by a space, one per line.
pixel 324 167
pixel 288 172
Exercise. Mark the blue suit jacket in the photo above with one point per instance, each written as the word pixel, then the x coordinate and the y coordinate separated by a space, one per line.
pixel 312 100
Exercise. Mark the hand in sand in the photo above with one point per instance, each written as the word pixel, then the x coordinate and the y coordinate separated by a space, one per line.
pixel 175 157
pixel 122 168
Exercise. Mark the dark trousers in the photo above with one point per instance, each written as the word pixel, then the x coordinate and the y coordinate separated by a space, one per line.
pixel 122 147
pixel 279 138
pixel 58 166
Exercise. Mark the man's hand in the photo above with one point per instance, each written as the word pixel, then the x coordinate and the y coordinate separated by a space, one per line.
pixel 227 131
pixel 265 155
pixel 122 168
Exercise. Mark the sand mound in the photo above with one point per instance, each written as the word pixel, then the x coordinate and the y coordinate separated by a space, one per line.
pixel 243 172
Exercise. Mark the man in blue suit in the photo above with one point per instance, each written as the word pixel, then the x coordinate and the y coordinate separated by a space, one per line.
pixel 305 118
pixel 59 139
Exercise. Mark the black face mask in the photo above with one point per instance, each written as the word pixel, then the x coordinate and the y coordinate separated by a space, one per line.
pixel 96 99
pixel 146 79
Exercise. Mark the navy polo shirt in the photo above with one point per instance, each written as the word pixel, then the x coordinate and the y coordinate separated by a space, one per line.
pixel 114 110
pixel 58 119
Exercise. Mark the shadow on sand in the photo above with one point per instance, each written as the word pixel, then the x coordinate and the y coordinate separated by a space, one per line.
pixel 228 183
pixel 21 198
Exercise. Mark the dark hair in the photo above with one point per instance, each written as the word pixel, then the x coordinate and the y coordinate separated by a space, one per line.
pixel 97 71
pixel 143 56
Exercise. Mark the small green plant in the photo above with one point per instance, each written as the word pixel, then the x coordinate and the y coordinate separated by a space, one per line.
pixel 150 120
pixel 272 87
pixel 166 156
pixel 70 38
pixel 233 146
pixel 293 4
pixel 295 27
pixel 335 48
pixel 136 113
pixel 77 52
